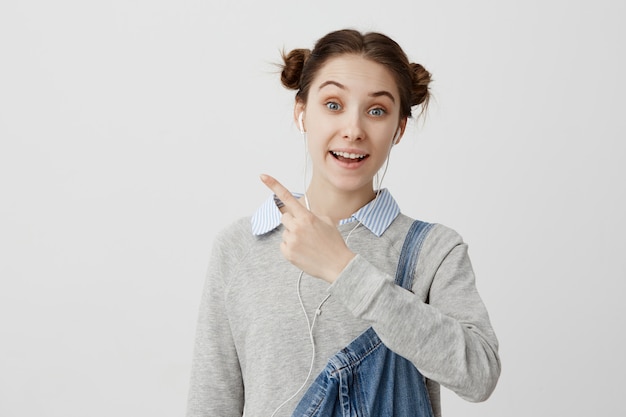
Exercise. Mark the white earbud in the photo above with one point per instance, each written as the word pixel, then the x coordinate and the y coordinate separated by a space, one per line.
pixel 300 123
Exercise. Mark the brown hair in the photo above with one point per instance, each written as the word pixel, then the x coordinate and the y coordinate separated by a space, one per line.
pixel 301 65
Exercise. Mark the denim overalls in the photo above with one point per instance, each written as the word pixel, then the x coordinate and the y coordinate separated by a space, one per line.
pixel 366 379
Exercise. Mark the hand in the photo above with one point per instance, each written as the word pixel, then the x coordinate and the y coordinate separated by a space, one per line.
pixel 311 243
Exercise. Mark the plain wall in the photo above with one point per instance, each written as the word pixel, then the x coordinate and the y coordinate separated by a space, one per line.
pixel 132 131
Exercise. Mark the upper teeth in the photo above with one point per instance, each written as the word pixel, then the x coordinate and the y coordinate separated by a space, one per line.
pixel 349 155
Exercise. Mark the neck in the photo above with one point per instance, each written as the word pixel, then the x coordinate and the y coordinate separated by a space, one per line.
pixel 337 205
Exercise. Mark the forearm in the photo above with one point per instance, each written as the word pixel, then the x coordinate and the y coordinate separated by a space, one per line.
pixel 450 343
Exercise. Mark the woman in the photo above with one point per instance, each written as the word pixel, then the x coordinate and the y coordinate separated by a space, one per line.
pixel 290 287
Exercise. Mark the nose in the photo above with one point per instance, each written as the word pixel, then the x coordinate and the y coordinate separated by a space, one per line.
pixel 353 128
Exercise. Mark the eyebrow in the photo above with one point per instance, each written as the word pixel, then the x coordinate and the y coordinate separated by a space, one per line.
pixel 343 87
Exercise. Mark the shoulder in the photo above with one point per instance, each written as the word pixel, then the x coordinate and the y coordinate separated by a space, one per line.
pixel 443 236
pixel 442 253
pixel 237 239
pixel 438 239
pixel 438 234
pixel 238 229
pixel 229 250
pixel 233 240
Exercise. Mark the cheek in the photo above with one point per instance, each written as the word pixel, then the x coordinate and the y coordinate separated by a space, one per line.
pixel 385 138
pixel 314 145
pixel 319 136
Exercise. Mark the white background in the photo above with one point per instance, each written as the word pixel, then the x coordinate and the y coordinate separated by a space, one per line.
pixel 132 131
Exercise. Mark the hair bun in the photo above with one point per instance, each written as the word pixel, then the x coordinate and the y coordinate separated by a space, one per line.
pixel 292 69
pixel 421 80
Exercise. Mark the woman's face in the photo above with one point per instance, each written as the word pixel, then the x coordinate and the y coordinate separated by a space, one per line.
pixel 351 118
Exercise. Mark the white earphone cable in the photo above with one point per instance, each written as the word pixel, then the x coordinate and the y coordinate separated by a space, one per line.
pixel 318 310
pixel 310 326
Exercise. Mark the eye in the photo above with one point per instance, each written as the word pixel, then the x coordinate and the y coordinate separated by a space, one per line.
pixel 377 112
pixel 333 106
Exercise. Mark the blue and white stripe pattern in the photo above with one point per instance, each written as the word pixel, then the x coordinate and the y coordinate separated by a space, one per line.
pixel 376 215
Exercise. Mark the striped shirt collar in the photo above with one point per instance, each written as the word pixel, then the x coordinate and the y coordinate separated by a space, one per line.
pixel 376 215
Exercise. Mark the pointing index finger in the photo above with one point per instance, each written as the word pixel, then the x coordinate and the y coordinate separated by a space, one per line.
pixel 291 203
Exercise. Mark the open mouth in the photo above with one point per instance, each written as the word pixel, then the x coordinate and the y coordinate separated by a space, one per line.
pixel 348 157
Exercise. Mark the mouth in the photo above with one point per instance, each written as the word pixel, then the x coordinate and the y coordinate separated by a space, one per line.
pixel 348 156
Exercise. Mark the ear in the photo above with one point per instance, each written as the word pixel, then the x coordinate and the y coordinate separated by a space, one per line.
pixel 402 128
pixel 298 109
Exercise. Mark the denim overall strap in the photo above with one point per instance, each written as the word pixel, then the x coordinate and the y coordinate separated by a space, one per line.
pixel 366 379
pixel 410 252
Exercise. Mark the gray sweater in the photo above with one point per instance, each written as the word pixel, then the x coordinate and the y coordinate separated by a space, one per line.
pixel 253 349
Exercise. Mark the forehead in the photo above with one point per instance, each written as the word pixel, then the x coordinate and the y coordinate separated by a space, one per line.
pixel 356 73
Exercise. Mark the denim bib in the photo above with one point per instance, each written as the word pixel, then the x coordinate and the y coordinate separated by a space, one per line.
pixel 365 378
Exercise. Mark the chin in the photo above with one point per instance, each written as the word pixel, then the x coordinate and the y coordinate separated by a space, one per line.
pixel 353 186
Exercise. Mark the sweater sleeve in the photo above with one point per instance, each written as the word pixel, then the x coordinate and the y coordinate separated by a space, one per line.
pixel 216 386
pixel 442 326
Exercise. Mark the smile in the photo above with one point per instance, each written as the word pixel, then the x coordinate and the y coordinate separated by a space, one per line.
pixel 346 155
